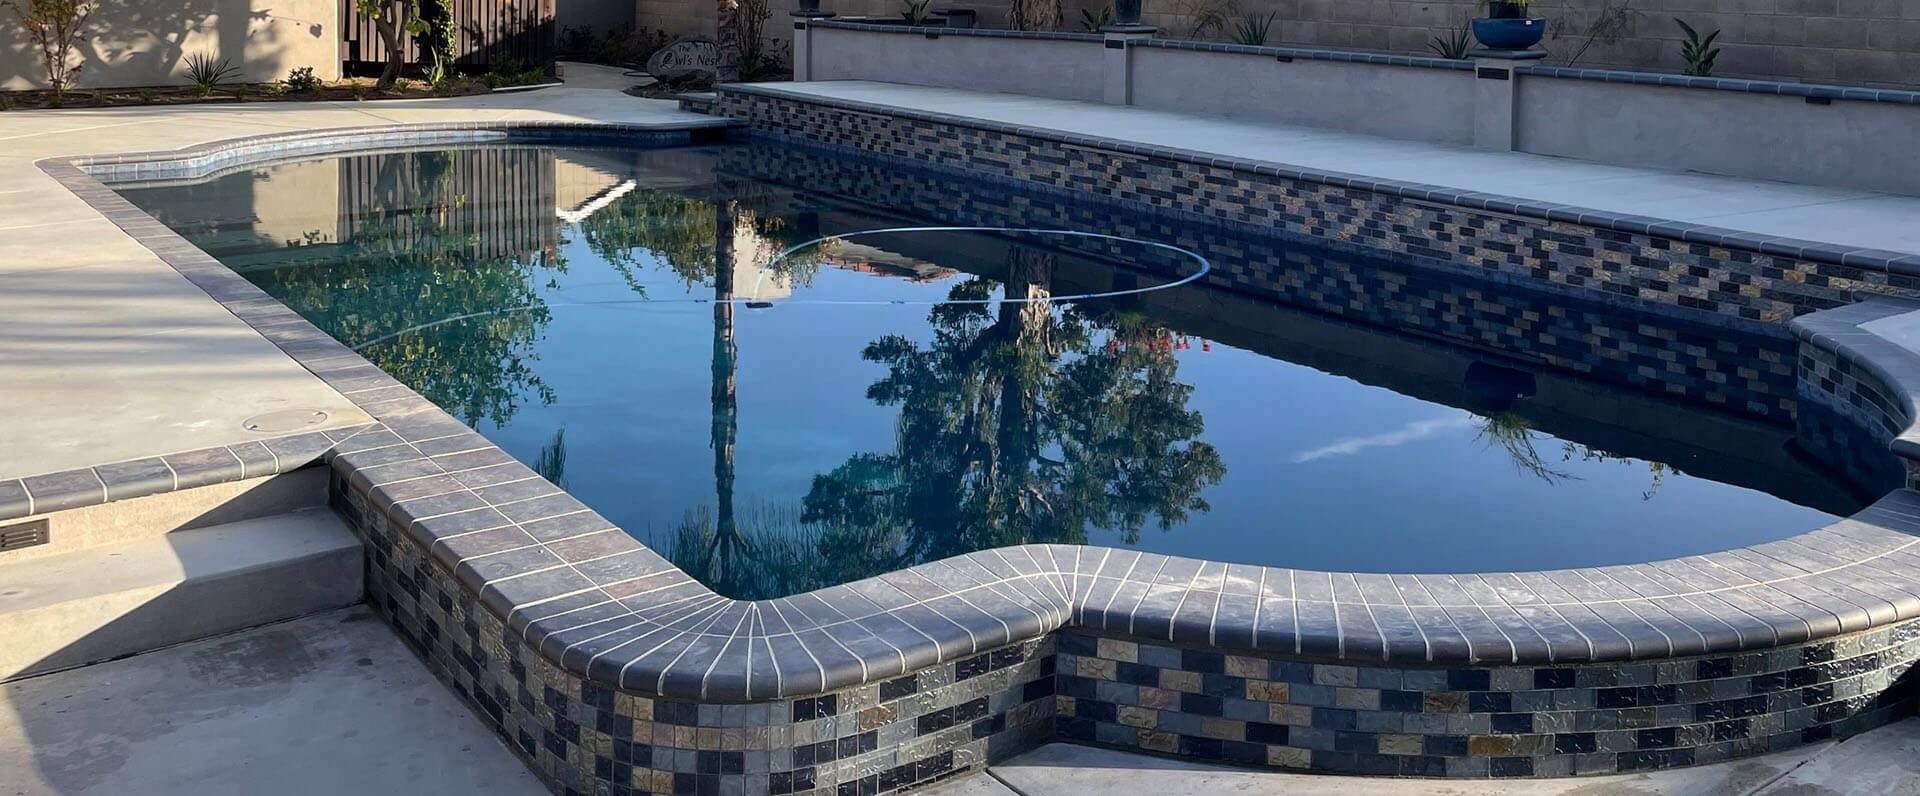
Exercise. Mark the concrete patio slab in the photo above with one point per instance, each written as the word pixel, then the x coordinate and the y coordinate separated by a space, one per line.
pixel 1855 218
pixel 1878 763
pixel 328 704
pixel 107 353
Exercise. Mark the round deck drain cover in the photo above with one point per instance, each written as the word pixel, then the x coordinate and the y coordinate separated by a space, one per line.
pixel 288 420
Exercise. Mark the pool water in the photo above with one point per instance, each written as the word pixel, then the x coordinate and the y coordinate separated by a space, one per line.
pixel 733 366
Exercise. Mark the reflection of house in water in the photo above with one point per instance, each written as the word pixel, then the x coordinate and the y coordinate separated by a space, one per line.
pixel 859 258
pixel 489 203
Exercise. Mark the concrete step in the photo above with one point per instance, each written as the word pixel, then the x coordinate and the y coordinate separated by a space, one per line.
pixel 108 601
pixel 147 518
pixel 697 102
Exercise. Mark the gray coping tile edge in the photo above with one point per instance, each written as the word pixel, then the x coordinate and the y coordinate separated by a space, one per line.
pixel 1907 263
pixel 1055 586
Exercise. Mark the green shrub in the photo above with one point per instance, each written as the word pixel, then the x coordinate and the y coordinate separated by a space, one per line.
pixel 302 81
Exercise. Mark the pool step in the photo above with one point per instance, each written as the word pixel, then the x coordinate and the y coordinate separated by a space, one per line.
pixel 697 102
pixel 144 518
pixel 107 601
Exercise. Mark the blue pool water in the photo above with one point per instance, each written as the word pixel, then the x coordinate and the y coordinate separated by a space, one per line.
pixel 712 348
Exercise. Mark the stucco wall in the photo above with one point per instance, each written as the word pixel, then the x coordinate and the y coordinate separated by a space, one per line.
pixel 1035 67
pixel 1398 101
pixel 147 42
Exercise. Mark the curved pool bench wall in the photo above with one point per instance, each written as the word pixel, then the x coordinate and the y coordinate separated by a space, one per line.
pixel 612 671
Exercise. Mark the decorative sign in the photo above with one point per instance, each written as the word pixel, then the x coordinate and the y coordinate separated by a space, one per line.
pixel 686 58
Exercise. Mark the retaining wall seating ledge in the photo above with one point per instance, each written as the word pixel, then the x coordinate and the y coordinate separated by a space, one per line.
pixel 1745 128
pixel 613 671
pixel 1778 87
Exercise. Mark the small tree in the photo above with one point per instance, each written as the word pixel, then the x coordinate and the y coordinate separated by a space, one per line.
pixel 428 22
pixel 390 19
pixel 55 27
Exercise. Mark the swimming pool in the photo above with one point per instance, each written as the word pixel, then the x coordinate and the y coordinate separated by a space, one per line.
pixel 788 369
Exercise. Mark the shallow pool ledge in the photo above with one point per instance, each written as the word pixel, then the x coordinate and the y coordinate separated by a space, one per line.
pixel 608 668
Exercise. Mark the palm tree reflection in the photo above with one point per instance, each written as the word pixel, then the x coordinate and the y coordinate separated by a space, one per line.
pixel 1020 421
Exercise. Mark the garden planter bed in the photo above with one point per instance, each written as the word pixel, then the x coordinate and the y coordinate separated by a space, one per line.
pixel 350 89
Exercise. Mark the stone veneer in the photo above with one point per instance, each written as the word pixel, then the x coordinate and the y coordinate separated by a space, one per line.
pixel 614 672
pixel 1722 272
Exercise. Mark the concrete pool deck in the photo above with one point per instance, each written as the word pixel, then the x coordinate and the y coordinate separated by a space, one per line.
pixel 327 704
pixel 1843 216
pixel 107 353
pixel 1878 763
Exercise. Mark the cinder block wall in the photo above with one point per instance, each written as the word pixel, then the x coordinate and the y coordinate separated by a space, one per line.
pixel 1868 42
pixel 1858 42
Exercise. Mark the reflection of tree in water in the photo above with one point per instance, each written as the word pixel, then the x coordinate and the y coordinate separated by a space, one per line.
pixel 1019 423
pixel 1513 433
pixel 679 232
pixel 551 464
pixel 412 260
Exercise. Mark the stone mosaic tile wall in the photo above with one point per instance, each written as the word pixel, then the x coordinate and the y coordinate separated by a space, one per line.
pixel 1641 343
pixel 583 738
pixel 1511 721
pixel 1654 265
pixel 1856 388
pixel 1846 421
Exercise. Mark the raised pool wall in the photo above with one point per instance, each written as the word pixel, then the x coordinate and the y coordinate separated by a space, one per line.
pixel 613 672
pixel 1813 134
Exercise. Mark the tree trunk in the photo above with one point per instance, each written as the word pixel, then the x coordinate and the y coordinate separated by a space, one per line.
pixel 390 26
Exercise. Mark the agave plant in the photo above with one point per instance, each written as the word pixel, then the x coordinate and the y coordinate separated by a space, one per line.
pixel 1699 53
pixel 1454 44
pixel 1094 23
pixel 1252 30
pixel 207 74
pixel 914 12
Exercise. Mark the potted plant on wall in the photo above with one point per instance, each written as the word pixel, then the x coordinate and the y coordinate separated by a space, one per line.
pixel 1508 27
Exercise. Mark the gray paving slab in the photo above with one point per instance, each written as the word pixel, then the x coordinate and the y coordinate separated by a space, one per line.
pixel 324 705
pixel 1816 213
pixel 1885 762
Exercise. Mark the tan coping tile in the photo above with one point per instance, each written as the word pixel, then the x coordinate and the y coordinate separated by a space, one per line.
pixel 1117 650
pixel 1096 668
pixel 1246 667
pixel 1289 757
pixel 1399 744
pixel 1267 691
pixel 1184 682
pixel 1155 741
pixel 1291 715
pixel 1223 729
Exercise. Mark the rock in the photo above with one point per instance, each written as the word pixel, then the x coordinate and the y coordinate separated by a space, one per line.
pixel 691 58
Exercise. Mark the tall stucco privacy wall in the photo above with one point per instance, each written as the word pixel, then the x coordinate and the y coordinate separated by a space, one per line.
pixel 147 43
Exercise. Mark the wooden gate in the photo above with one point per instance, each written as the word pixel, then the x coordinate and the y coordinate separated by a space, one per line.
pixel 491 34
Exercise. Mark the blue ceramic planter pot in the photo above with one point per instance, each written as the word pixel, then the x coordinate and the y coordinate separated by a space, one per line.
pixel 1509 34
